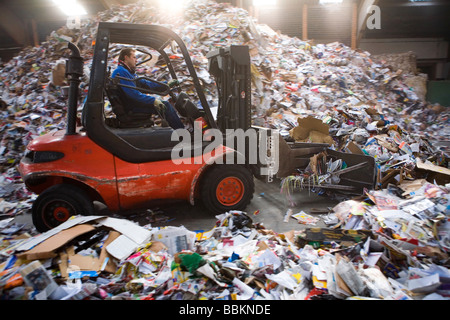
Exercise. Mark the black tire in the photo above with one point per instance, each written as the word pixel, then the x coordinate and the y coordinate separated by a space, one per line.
pixel 239 185
pixel 57 204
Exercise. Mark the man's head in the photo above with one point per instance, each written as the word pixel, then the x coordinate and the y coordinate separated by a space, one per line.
pixel 128 57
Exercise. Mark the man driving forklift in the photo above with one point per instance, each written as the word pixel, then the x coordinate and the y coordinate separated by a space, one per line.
pixel 138 102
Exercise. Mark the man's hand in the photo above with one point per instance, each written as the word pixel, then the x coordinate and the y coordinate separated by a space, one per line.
pixel 172 83
pixel 160 107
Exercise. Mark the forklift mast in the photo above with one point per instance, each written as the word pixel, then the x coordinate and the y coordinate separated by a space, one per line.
pixel 231 69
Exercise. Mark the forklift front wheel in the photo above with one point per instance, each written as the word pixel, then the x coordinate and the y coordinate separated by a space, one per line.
pixel 57 204
pixel 227 187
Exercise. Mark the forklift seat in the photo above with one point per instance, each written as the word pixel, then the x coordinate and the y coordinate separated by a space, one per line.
pixel 125 118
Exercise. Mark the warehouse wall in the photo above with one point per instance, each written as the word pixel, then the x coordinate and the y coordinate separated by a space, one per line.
pixel 325 23
pixel 330 23
pixel 286 18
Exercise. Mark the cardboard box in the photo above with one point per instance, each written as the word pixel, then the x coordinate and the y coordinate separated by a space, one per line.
pixel 47 248
pixel 57 242
pixel 313 130
pixel 70 261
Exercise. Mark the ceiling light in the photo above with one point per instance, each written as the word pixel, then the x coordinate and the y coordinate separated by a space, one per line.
pixel 70 7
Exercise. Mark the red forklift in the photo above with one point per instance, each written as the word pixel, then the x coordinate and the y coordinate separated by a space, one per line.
pixel 125 161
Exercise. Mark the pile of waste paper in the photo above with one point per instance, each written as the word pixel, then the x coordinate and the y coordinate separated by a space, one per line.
pixel 394 254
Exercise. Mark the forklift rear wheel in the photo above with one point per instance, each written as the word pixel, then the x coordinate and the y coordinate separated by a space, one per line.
pixel 227 187
pixel 57 204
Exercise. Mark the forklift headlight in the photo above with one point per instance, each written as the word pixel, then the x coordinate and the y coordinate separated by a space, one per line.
pixel 46 156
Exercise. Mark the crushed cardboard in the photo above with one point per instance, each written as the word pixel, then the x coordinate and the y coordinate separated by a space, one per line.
pixel 49 247
pixel 312 130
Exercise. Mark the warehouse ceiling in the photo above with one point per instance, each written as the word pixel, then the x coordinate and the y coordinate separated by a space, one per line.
pixel 29 22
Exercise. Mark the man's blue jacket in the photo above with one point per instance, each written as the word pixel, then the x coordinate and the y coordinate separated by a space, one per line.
pixel 136 100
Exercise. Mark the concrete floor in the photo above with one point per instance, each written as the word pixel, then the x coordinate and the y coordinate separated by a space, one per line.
pixel 271 203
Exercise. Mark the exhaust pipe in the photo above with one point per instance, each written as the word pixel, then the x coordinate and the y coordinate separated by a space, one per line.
pixel 74 71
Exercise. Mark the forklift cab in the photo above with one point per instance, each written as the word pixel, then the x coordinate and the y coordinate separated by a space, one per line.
pixel 134 137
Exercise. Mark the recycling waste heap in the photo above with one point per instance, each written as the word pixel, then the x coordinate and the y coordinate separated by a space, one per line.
pixel 392 242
